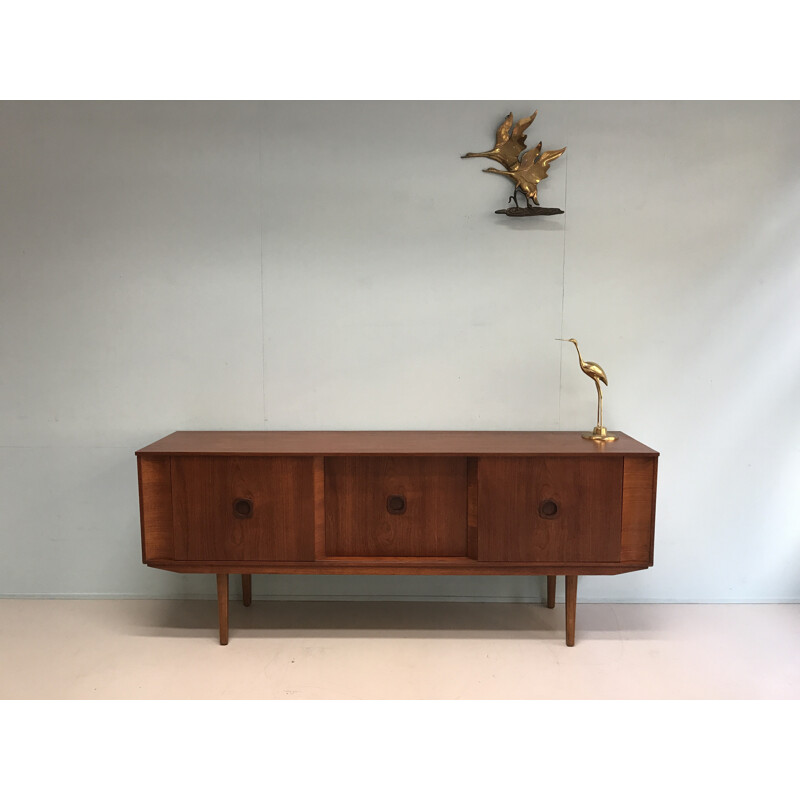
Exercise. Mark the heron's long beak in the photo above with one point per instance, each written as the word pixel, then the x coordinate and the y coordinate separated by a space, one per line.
pixel 562 340
pixel 477 155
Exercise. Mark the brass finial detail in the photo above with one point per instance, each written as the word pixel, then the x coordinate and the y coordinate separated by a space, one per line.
pixel 597 374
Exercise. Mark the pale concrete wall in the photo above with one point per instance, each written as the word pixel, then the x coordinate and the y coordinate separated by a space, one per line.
pixel 335 265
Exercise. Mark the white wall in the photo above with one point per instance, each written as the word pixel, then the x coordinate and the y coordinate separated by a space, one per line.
pixel 309 265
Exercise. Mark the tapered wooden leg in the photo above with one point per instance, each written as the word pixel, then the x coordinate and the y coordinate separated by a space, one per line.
pixel 572 597
pixel 222 602
pixel 247 589
pixel 551 591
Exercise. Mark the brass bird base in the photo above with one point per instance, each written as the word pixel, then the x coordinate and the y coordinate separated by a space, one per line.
pixel 599 434
pixel 529 211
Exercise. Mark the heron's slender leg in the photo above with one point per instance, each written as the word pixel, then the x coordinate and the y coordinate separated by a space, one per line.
pixel 599 403
pixel 601 407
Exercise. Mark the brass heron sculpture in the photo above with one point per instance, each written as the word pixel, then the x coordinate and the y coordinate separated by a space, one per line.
pixel 597 374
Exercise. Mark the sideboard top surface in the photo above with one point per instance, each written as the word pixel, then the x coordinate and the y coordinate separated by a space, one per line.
pixel 450 443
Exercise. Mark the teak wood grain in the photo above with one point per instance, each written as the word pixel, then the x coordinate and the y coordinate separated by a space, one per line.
pixel 587 494
pixel 319 507
pixel 155 507
pixel 222 607
pixel 281 490
pixel 423 443
pixel 570 601
pixel 638 509
pixel 390 566
pixel 358 522
pixel 472 508
pixel 551 591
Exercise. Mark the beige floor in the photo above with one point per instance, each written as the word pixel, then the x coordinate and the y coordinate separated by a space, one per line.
pixel 349 650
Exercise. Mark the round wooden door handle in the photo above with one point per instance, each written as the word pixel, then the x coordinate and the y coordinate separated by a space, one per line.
pixel 548 509
pixel 242 508
pixel 396 504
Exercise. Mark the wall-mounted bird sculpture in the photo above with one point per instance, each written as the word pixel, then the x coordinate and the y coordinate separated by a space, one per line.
pixel 525 168
pixel 597 374
pixel 510 141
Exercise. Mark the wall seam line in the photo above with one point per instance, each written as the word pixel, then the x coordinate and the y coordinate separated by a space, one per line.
pixel 563 289
pixel 261 263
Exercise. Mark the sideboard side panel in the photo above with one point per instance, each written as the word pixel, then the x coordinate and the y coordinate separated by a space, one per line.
pixel 319 508
pixel 155 500
pixel 638 492
pixel 472 508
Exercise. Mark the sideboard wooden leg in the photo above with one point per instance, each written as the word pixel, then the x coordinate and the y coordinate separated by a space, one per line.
pixel 222 602
pixel 551 591
pixel 571 598
pixel 247 589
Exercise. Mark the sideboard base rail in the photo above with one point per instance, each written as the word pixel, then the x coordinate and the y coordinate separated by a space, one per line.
pixel 392 568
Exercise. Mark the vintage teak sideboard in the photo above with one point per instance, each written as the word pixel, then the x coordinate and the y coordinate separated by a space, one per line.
pixel 397 503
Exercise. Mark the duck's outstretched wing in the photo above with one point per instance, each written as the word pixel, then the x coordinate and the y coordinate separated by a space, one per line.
pixel 509 141
pixel 518 135
pixel 531 156
pixel 539 158
pixel 548 156
pixel 503 131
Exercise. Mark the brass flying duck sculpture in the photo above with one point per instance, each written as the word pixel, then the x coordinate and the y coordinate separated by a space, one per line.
pixel 526 169
pixel 597 374
pixel 510 141
pixel 530 171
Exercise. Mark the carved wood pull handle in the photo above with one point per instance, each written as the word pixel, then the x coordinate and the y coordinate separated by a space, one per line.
pixel 548 509
pixel 396 504
pixel 242 508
